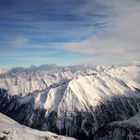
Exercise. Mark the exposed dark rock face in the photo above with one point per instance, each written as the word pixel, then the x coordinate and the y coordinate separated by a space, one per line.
pixel 115 132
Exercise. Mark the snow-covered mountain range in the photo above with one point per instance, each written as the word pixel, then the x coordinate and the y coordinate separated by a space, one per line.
pixel 76 101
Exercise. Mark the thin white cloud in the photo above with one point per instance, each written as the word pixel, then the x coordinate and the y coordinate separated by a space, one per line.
pixel 122 40
pixel 119 43
pixel 19 41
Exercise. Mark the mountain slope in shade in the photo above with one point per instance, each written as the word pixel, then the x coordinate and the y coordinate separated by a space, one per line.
pixel 120 130
pixel 11 130
pixel 77 104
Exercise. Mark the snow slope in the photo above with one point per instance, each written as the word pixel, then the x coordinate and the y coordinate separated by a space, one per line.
pixel 11 130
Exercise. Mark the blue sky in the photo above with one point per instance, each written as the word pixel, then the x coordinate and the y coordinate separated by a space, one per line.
pixel 68 32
